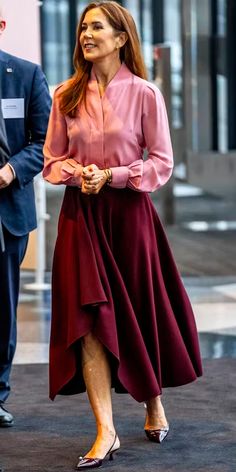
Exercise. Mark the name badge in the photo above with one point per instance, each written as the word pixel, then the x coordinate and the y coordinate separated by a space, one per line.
pixel 13 108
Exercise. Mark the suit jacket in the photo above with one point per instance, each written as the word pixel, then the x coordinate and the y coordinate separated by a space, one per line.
pixel 20 79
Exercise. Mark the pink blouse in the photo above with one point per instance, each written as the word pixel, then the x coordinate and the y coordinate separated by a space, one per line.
pixel 112 131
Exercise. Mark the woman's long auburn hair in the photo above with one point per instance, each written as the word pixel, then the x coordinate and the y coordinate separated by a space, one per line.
pixel 121 20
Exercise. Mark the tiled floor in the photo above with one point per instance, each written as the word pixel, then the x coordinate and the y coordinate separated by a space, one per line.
pixel 213 300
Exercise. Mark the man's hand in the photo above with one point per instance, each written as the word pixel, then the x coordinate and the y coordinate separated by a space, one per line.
pixel 6 176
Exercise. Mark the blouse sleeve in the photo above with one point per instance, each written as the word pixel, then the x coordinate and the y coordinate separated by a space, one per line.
pixel 150 174
pixel 59 168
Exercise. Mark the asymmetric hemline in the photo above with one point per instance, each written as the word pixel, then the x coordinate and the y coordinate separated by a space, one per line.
pixel 114 275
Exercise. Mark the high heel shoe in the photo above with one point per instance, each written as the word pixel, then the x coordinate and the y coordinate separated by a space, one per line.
pixel 92 463
pixel 157 435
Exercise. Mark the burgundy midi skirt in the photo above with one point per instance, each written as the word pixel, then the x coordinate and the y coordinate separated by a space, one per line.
pixel 114 275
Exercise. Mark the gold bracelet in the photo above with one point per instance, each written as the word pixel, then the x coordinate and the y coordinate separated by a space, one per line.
pixel 108 174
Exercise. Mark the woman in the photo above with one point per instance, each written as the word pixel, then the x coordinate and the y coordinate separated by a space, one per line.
pixel 120 315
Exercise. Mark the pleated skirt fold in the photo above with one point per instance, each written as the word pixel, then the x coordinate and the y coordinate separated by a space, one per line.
pixel 114 275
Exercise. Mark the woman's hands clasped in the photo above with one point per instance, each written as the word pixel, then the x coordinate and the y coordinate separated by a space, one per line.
pixel 93 179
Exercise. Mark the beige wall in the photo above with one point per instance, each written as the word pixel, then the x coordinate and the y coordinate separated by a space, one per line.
pixel 22 38
pixel 22 34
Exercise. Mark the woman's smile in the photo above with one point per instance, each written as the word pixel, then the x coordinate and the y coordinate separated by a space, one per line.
pixel 89 46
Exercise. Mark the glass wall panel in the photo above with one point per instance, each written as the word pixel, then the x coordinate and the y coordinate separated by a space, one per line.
pixel 133 7
pixel 142 14
pixel 173 36
pixel 55 40
pixel 221 77
pixel 81 4
pixel 147 35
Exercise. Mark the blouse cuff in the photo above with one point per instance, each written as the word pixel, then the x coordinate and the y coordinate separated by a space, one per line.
pixel 71 173
pixel 120 176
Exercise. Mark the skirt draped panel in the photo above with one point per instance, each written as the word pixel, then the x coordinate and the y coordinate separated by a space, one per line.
pixel 114 275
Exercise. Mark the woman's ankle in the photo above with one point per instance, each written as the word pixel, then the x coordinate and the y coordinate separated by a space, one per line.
pixel 106 431
pixel 155 416
pixel 154 406
pixel 104 441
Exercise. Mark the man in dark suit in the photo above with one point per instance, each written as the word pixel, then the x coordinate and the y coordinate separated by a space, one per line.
pixel 25 104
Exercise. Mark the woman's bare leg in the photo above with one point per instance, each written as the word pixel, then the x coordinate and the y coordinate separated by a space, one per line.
pixel 155 416
pixel 97 377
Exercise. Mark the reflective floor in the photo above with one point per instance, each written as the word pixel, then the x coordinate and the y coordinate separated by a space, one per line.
pixel 213 300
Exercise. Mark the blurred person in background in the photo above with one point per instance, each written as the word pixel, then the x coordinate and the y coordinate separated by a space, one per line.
pixel 25 105
pixel 120 315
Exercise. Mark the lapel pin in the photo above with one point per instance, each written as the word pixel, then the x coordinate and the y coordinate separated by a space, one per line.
pixel 9 69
